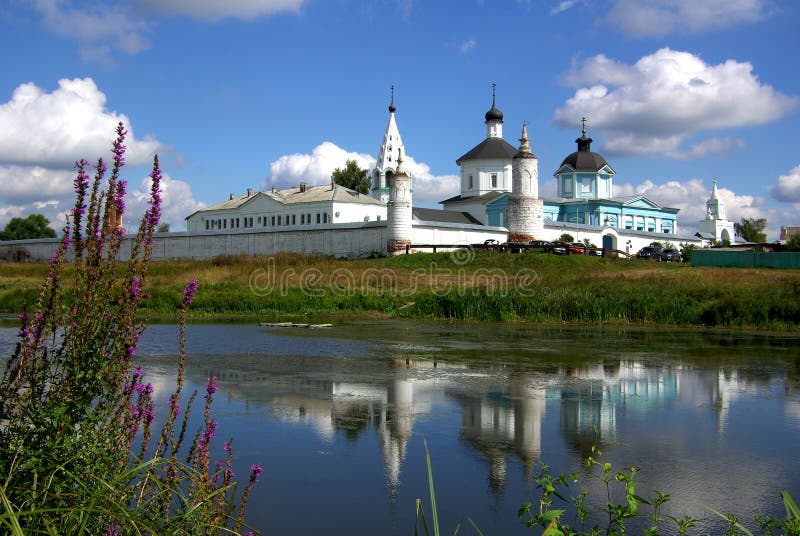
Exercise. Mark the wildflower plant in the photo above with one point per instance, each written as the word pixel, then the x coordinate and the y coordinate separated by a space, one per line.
pixel 77 451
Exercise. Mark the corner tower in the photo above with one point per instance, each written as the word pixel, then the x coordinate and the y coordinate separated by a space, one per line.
pixel 715 222
pixel 388 155
pixel 525 209
pixel 398 213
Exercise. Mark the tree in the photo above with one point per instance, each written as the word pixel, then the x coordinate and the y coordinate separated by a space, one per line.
pixel 566 237
pixel 793 244
pixel 752 229
pixel 163 227
pixel 352 176
pixel 34 226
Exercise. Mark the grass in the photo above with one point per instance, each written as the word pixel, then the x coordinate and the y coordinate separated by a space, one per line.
pixel 472 285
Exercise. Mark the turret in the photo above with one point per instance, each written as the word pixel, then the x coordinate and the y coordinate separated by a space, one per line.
pixel 525 209
pixel 398 212
pixel 388 153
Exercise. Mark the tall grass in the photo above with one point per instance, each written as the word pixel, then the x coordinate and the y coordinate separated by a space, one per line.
pixel 484 286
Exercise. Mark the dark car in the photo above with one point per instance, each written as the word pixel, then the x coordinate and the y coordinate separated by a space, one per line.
pixel 671 255
pixel 649 252
pixel 541 246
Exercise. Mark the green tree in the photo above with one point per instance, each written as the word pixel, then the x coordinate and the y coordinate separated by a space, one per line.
pixel 566 237
pixel 163 227
pixel 34 226
pixel 352 176
pixel 793 244
pixel 751 229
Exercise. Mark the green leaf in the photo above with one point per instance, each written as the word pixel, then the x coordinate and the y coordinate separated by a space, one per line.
pixel 792 511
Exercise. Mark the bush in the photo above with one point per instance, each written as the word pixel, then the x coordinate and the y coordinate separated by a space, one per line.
pixel 76 447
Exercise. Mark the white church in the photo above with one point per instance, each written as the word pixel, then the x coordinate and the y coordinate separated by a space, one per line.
pixel 499 199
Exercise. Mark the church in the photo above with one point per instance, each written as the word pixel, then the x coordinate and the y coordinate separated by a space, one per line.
pixel 499 199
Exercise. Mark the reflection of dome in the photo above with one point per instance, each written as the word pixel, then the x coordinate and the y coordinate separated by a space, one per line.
pixel 584 159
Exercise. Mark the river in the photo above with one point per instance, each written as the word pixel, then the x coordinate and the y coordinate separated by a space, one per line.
pixel 338 417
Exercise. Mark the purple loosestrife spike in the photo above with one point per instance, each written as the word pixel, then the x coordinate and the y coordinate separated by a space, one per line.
pixel 119 196
pixel 119 147
pixel 135 290
pixel 255 472
pixel 188 295
pixel 211 386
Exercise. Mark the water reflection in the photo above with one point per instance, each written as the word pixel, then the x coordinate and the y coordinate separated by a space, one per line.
pixel 701 412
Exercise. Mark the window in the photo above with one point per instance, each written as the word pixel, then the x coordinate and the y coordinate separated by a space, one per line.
pixel 470 183
pixel 325 217
pixel 251 221
pixel 494 180
pixel 265 221
pixel 259 220
pixel 224 224
pixel 302 219
pixel 273 221
pixel 207 225
pixel 237 223
pixel 294 221
pixel 308 219
pixel 279 220
pixel 317 217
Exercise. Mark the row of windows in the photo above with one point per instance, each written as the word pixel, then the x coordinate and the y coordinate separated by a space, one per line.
pixel 471 184
pixel 264 221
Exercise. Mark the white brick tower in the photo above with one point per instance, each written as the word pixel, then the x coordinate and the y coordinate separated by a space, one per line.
pixel 398 213
pixel 525 209
pixel 386 164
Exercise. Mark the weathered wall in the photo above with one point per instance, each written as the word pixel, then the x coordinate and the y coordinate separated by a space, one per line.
pixel 356 240
pixel 746 258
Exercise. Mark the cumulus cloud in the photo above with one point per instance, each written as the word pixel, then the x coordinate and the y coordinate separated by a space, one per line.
pixel 177 202
pixel 787 189
pixel 644 18
pixel 658 103
pixel 313 169
pixel 55 129
pixel 466 46
pixel 690 197
pixel 99 29
pixel 212 10
pixel 21 185
pixel 316 168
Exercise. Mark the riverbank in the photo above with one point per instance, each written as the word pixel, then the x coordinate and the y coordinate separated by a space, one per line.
pixel 461 285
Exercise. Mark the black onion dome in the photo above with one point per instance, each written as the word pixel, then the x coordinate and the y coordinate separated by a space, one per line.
pixel 584 159
pixel 494 114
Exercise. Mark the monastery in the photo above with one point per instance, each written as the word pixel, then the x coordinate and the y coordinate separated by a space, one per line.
pixel 498 200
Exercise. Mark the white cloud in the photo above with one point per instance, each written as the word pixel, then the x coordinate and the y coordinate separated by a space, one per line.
pixel 656 104
pixel 98 29
pixel 787 189
pixel 55 129
pixel 661 17
pixel 20 185
pixel 690 197
pixel 466 46
pixel 316 168
pixel 177 202
pixel 212 10
pixel 562 6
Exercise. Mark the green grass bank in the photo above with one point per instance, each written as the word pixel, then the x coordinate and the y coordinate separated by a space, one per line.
pixel 463 285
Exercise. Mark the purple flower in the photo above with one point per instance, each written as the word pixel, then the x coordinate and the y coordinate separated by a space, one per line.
pixel 119 147
pixel 227 446
pixel 211 386
pixel 188 294
pixel 255 471
pixel 119 196
pixel 135 287
pixel 131 351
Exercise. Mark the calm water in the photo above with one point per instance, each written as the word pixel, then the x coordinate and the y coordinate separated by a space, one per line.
pixel 337 417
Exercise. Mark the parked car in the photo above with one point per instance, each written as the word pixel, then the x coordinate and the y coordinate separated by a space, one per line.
pixel 577 248
pixel 560 247
pixel 671 255
pixel 649 252
pixel 541 246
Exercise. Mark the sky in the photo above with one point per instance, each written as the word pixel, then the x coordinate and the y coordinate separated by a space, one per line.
pixel 260 93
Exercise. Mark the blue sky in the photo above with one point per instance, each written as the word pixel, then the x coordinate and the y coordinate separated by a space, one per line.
pixel 261 93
